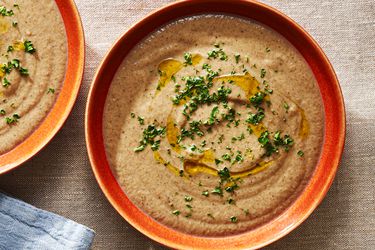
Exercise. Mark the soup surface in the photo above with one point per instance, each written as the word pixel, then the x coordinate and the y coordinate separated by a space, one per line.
pixel 33 58
pixel 213 125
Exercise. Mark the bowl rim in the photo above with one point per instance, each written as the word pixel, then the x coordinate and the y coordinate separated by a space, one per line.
pixel 55 119
pixel 315 190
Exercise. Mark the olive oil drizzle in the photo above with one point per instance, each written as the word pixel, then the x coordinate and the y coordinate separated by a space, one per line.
pixel 304 126
pixel 172 133
pixel 167 69
pixel 246 82
pixel 194 167
pixel 4 25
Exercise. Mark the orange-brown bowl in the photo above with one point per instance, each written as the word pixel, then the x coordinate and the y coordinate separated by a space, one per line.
pixel 334 133
pixel 67 96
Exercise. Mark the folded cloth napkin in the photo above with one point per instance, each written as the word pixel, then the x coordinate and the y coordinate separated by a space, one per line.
pixel 23 226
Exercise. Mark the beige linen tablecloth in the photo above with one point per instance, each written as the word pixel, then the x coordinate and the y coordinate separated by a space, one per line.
pixel 59 179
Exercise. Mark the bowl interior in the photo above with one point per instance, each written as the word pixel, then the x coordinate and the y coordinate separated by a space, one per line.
pixel 65 101
pixel 333 136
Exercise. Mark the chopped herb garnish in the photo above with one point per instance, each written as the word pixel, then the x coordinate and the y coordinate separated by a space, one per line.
pixel 23 71
pixel 233 219
pixel 51 91
pixel 224 174
pixel 257 99
pixel 286 107
pixel 217 191
pixel 237 57
pixel 141 120
pixel 5 12
pixel 231 201
pixel 217 53
pixel 300 153
pixel 188 59
pixel 29 47
pixel 262 73
pixel 214 112
pixel 188 198
pixel 149 135
pixel 176 212
pixel 205 193
pixel 13 119
pixel 6 82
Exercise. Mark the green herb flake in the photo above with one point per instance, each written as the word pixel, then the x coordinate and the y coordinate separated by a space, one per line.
pixel 231 201
pixel 300 153
pixel 12 120
pixel 188 59
pixel 237 57
pixel 188 198
pixel 5 12
pixel 176 212
pixel 217 191
pixel 262 73
pixel 29 47
pixel 149 135
pixel 233 219
pixel 205 193
pixel 6 82
pixel 141 120
pixel 286 107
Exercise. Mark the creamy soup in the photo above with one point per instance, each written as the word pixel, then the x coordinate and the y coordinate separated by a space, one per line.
pixel 213 125
pixel 33 60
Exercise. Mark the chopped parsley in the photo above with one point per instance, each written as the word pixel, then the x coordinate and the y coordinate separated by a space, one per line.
pixel 300 153
pixel 233 219
pixel 188 198
pixel 188 59
pixel 141 120
pixel 255 119
pixel 217 53
pixel 12 120
pixel 5 12
pixel 286 107
pixel 217 191
pixel 237 57
pixel 6 82
pixel 149 135
pixel 29 47
pixel 262 73
pixel 176 212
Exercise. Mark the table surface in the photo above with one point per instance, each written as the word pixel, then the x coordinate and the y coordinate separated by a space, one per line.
pixel 59 179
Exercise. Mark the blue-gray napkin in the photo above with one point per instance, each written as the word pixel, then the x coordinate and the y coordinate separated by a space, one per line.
pixel 23 226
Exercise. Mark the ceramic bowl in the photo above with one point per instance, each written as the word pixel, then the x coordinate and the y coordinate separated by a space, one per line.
pixel 334 133
pixel 67 96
